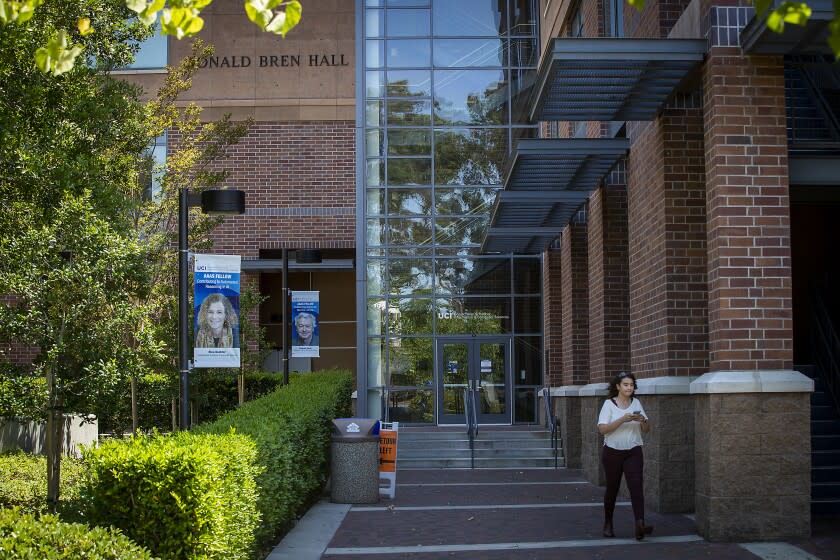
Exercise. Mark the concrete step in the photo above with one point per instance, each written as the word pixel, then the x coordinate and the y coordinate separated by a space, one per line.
pixel 461 452
pixel 479 443
pixel 484 434
pixel 480 463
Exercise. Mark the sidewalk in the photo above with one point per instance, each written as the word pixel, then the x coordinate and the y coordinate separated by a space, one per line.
pixel 514 514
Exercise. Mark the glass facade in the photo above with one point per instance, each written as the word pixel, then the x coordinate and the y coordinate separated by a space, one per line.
pixel 442 81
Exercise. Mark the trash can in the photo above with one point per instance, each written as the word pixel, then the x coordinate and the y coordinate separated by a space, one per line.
pixel 355 461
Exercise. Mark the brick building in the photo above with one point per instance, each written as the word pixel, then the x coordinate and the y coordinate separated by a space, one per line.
pixel 512 194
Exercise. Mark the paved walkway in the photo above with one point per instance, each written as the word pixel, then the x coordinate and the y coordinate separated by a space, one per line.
pixel 514 514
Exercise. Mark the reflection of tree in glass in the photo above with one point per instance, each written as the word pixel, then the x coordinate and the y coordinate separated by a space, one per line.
pixel 470 156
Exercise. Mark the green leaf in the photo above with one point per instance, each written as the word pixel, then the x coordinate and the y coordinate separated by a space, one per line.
pixel 294 11
pixel 181 22
pixel 834 38
pixel 638 4
pixel 796 13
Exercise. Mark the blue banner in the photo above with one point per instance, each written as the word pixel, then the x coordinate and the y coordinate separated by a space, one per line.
pixel 216 311
pixel 306 333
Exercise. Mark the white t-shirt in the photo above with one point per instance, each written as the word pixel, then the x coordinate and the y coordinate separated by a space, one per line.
pixel 627 435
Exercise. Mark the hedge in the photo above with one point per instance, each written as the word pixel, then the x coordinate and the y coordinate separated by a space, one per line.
pixel 186 496
pixel 25 537
pixel 292 430
pixel 23 484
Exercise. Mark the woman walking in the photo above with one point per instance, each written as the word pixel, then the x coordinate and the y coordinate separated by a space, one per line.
pixel 622 422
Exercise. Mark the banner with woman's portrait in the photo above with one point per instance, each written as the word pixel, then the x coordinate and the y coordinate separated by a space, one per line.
pixel 216 311
pixel 305 330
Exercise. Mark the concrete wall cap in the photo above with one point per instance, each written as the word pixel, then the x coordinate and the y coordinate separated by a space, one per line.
pixel 755 381
pixel 594 390
pixel 668 385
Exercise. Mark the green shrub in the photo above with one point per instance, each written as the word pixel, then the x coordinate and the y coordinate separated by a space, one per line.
pixel 23 484
pixel 25 537
pixel 22 394
pixel 292 430
pixel 187 496
pixel 216 391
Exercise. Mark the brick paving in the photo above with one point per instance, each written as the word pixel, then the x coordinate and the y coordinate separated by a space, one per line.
pixel 538 514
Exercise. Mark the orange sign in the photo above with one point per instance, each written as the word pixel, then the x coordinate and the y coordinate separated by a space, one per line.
pixel 387 450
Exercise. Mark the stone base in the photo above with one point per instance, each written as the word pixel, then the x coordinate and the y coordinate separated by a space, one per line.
pixel 591 400
pixel 355 472
pixel 752 455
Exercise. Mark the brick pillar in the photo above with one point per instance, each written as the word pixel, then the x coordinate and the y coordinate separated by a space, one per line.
pixel 552 318
pixel 575 304
pixel 751 411
pixel 609 318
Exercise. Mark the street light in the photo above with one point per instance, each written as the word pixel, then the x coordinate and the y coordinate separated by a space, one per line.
pixel 219 202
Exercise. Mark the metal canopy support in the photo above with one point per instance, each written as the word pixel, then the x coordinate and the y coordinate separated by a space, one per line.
pixel 611 79
pixel 811 38
pixel 546 182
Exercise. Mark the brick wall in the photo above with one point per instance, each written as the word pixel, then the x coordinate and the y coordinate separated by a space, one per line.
pixel 552 317
pixel 609 328
pixel 299 183
pixel 749 268
pixel 668 254
pixel 655 20
pixel 575 304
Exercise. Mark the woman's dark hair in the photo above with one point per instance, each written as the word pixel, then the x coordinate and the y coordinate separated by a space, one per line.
pixel 617 380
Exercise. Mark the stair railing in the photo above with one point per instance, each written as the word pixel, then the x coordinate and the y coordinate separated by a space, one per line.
pixel 552 423
pixel 471 422
pixel 826 347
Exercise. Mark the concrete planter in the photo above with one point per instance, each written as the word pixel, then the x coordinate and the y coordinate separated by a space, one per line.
pixel 31 436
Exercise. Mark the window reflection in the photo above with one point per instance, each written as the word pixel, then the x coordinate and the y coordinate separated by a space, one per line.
pixel 464 200
pixel 374 23
pixel 409 316
pixel 409 83
pixel 410 142
pixel 473 315
pixel 409 171
pixel 470 156
pixel 466 18
pixel 409 276
pixel 409 201
pixel 410 362
pixel 375 173
pixel 375 201
pixel 375 276
pixel 460 231
pixel 470 97
pixel 374 81
pixel 408 23
pixel 405 53
pixel 456 53
pixel 409 112
pixel 374 54
pixel 472 276
pixel 410 231
pixel 528 318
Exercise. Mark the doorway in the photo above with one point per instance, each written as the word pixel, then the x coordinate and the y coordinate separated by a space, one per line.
pixel 480 366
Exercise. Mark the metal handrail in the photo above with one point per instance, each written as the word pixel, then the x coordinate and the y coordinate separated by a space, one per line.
pixel 470 421
pixel 826 348
pixel 552 422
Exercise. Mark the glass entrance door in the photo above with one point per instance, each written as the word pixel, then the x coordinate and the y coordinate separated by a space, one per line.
pixel 477 365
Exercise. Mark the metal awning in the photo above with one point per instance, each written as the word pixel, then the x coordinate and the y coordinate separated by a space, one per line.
pixel 611 79
pixel 276 265
pixel 811 38
pixel 546 182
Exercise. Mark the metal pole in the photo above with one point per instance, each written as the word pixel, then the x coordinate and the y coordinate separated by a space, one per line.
pixel 183 342
pixel 285 316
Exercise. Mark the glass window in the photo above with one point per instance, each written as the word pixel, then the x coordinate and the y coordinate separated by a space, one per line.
pixel 527 360
pixel 472 276
pixel 409 316
pixel 420 3
pixel 527 275
pixel 373 113
pixel 466 18
pixel 375 276
pixel 374 23
pixel 410 231
pixel 375 142
pixel 375 201
pixel 415 406
pixel 153 167
pixel 410 171
pixel 525 400
pixel 408 23
pixel 375 175
pixel 468 315
pixel 409 83
pixel 470 156
pixel 522 52
pixel 374 54
pixel 153 52
pixel 409 276
pixel 523 18
pixel 410 142
pixel 376 232
pixel 376 362
pixel 528 318
pixel 405 53
pixel 409 112
pixel 460 231
pixel 410 361
pixel 411 201
pixel 457 53
pixel 464 200
pixel 374 84
pixel 470 97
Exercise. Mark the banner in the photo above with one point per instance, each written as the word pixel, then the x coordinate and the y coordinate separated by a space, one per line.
pixel 305 331
pixel 216 311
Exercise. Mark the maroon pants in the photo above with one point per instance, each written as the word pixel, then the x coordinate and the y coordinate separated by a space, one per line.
pixel 630 463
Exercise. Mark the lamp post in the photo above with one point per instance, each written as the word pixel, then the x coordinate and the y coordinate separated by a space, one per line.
pixel 214 201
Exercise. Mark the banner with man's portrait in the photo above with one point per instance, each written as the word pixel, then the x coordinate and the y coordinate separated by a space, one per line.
pixel 305 330
pixel 216 311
